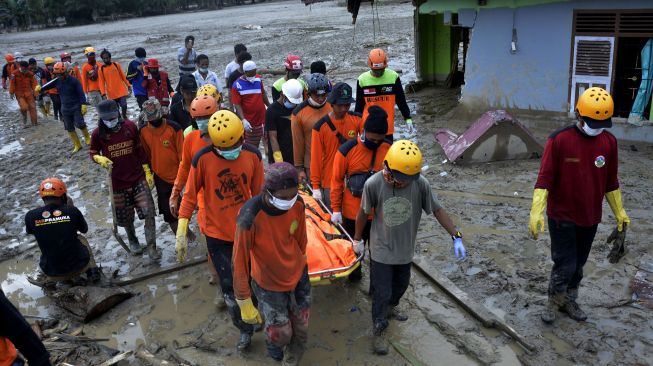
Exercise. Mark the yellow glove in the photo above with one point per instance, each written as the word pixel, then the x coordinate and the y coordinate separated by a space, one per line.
pixel 37 89
pixel 248 312
pixel 277 157
pixel 614 200
pixel 84 109
pixel 536 223
pixel 181 245
pixel 103 161
pixel 149 177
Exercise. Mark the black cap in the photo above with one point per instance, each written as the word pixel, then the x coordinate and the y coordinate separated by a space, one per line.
pixel 596 124
pixel 377 120
pixel 341 94
pixel 188 82
pixel 32 61
pixel 140 52
pixel 107 109
pixel 23 63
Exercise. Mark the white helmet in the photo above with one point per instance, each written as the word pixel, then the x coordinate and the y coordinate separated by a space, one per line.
pixel 293 90
pixel 18 56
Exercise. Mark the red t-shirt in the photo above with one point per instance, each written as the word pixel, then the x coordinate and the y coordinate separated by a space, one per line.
pixel 578 170
pixel 249 95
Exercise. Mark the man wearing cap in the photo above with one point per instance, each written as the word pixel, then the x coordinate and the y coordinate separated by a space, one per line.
pixel 180 109
pixel 396 197
pixel 293 65
pixel 270 262
pixel 579 167
pixel 136 75
pixel 90 78
pixel 277 122
pixel 157 85
pixel 328 134
pixel 355 162
pixel 8 68
pixel 186 55
pixel 250 100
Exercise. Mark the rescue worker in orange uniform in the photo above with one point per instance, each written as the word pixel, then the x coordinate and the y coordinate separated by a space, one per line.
pixel 15 332
pixel 162 141
pixel 113 82
pixel 91 78
pixel 381 86
pixel 304 117
pixel 230 172
pixel 270 254
pixel 73 69
pixel 356 161
pixel 21 88
pixel 328 134
pixel 8 69
pixel 53 94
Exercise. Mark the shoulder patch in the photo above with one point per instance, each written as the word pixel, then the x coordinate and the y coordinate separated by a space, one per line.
pixel 175 126
pixel 249 211
pixel 198 155
pixel 252 149
pixel 347 146
pixel 560 130
pixel 322 121
pixel 298 109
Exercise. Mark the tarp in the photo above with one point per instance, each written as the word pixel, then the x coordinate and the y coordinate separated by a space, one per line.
pixel 645 87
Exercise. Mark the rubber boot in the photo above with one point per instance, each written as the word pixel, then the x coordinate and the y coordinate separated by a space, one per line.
pixel 150 239
pixel 76 144
pixel 134 245
pixel 275 352
pixel 244 341
pixel 395 314
pixel 218 301
pixel 555 302
pixel 87 136
pixel 380 343
pixel 93 274
pixel 25 124
pixel 571 306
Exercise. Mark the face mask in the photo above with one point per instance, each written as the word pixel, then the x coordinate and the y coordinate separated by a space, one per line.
pixel 283 205
pixel 112 123
pixel 591 131
pixel 107 61
pixel 202 124
pixel 156 122
pixel 154 72
pixel 314 103
pixel 389 178
pixel 141 59
pixel 204 70
pixel 50 68
pixel 251 79
pixel 369 144
pixel 230 154
pixel 289 105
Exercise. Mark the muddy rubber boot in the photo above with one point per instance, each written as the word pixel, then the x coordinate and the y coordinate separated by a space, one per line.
pixel 150 238
pixel 25 124
pixel 77 145
pixel 289 358
pixel 244 342
pixel 380 343
pixel 555 302
pixel 574 311
pixel 87 136
pixel 395 314
pixel 134 245
pixel 276 353
pixel 218 301
pixel 93 274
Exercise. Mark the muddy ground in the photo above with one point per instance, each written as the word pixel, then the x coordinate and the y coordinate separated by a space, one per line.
pixel 505 271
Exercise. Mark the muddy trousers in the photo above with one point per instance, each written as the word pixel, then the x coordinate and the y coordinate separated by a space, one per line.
pixel 570 247
pixel 221 254
pixel 14 327
pixel 27 104
pixel 286 316
pixel 388 283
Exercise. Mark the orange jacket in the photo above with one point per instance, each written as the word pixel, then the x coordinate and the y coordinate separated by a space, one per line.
pixel 113 82
pixel 22 84
pixel 352 157
pixel 163 146
pixel 325 143
pixel 90 72
pixel 269 246
pixel 302 121
pixel 227 185
pixel 8 352
pixel 76 73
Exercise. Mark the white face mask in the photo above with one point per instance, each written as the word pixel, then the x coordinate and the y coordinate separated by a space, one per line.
pixel 283 205
pixel 314 103
pixel 251 79
pixel 112 123
pixel 591 131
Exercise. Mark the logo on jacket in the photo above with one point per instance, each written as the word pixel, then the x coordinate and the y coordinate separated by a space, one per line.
pixel 56 213
pixel 369 91
pixel 45 214
pixel 599 162
pixel 293 226
pixel 386 89
pixel 351 134
pixel 166 143
pixel 229 186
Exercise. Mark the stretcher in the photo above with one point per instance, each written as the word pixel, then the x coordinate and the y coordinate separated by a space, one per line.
pixel 330 251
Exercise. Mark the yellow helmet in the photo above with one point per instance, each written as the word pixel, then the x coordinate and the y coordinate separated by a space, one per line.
pixel 404 159
pixel 225 128
pixel 48 60
pixel 88 50
pixel 210 91
pixel 595 104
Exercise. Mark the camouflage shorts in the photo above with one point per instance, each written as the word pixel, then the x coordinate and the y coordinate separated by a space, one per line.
pixel 139 198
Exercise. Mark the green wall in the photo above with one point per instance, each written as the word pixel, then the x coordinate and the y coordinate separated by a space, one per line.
pixel 435 47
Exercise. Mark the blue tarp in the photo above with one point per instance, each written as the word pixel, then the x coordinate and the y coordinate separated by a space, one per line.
pixel 645 87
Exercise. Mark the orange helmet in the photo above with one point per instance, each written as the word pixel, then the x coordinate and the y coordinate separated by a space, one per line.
pixel 203 106
pixel 377 59
pixel 59 68
pixel 52 187
pixel 595 104
pixel 9 57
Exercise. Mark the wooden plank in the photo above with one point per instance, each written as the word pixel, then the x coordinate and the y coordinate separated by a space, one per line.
pixel 485 316
pixel 117 358
pixel 128 280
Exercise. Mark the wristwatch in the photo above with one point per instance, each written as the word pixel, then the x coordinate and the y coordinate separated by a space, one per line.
pixel 458 235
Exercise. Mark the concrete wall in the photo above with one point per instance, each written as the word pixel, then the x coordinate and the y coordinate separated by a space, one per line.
pixel 537 76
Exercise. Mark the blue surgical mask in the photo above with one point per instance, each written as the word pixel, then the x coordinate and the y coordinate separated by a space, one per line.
pixel 230 154
pixel 202 124
pixel 204 70
pixel 283 205
pixel 289 105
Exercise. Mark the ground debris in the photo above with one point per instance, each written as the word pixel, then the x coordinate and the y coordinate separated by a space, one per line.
pixel 469 343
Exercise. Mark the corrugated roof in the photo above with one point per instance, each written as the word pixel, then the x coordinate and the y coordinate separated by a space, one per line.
pixel 440 6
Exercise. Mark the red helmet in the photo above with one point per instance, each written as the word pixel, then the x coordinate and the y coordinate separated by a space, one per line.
pixel 52 187
pixel 293 63
pixel 65 55
pixel 153 63
pixel 59 68
pixel 9 57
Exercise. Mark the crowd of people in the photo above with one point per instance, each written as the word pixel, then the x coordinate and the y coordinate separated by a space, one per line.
pixel 202 143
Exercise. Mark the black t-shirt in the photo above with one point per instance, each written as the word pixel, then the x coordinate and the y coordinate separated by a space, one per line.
pixel 233 77
pixel 179 114
pixel 277 118
pixel 55 228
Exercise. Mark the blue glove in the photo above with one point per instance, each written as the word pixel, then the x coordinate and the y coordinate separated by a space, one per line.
pixel 459 248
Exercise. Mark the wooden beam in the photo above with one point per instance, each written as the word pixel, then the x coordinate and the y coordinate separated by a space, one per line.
pixel 128 280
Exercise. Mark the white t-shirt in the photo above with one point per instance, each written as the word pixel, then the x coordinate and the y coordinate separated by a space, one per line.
pixel 231 67
pixel 211 78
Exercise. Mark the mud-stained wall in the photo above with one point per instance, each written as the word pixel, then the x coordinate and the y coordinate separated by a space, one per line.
pixel 535 77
